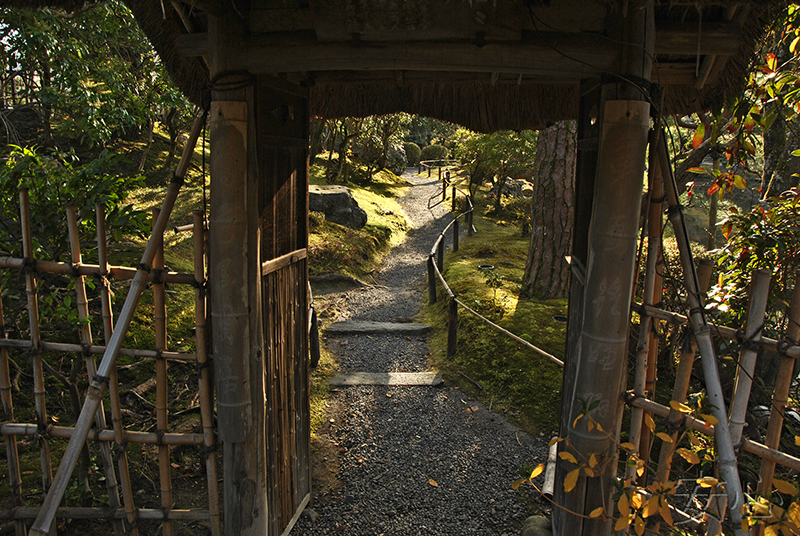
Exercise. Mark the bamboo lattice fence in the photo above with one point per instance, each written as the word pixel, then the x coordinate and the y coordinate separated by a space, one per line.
pixel 728 432
pixel 115 433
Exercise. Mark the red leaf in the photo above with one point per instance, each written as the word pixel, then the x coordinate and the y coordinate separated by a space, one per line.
pixel 713 189
pixel 699 134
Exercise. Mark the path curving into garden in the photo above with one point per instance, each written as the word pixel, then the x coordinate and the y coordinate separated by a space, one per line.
pixel 409 460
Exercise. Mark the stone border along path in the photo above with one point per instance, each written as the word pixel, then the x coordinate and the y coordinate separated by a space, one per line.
pixel 411 460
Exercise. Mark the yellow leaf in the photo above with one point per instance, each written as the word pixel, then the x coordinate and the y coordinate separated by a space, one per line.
pixel 599 428
pixel 636 500
pixel 689 455
pixel 664 437
pixel 784 487
pixel 433 483
pixel 627 446
pixel 597 512
pixel 745 525
pixel 638 524
pixel 639 467
pixel 555 440
pixel 588 471
pixel 622 523
pixel 771 530
pixel 710 419
pixel 663 509
pixel 648 420
pixel 707 482
pixel 793 46
pixel 538 471
pixel 590 424
pixel 797 440
pixel 677 406
pixel 592 461
pixel 694 440
pixel 568 457
pixel 571 479
pixel 517 483
pixel 575 422
pixel 651 507
pixel 623 506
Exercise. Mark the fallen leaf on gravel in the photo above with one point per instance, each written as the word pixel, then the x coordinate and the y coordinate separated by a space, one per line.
pixel 389 395
pixel 433 483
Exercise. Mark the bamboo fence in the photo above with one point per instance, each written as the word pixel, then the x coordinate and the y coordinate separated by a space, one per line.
pixel 112 440
pixel 728 432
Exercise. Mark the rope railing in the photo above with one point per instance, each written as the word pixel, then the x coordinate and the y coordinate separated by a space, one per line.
pixel 435 269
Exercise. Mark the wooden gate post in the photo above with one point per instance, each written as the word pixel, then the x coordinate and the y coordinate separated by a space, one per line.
pixel 595 370
pixel 234 274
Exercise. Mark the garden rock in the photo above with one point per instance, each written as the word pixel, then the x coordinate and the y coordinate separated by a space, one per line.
pixel 537 526
pixel 338 205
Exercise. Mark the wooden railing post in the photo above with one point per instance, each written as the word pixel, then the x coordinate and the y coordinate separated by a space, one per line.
pixel 431 280
pixel 455 234
pixel 440 255
pixel 454 199
pixel 452 328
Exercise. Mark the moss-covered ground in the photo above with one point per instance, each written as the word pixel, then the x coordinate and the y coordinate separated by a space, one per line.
pixel 505 374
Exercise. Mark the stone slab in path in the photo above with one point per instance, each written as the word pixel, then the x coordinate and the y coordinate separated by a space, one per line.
pixel 388 378
pixel 377 328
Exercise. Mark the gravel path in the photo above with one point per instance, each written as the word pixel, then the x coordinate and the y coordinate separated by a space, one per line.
pixel 412 460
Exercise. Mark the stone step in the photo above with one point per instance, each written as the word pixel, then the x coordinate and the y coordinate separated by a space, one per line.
pixel 388 378
pixel 377 328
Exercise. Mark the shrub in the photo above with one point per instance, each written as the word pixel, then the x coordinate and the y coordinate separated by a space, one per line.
pixel 434 152
pixel 413 153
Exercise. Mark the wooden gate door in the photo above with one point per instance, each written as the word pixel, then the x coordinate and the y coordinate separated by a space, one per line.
pixel 282 124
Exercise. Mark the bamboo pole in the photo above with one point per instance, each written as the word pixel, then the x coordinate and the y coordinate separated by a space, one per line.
pixel 20 344
pixel 116 272
pixel 113 383
pixel 12 453
pixel 205 389
pixel 91 367
pixel 780 394
pixel 759 290
pixel 698 425
pixel 726 456
pixel 646 322
pixel 162 381
pixel 148 514
pixel 47 514
pixel 67 432
pixel 682 378
pixel 38 367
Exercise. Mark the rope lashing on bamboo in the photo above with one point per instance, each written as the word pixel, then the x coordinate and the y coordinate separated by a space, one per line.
pixel 751 343
pixel 247 79
pixel 158 276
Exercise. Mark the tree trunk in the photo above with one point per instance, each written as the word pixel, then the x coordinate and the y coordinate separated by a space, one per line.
pixel 546 271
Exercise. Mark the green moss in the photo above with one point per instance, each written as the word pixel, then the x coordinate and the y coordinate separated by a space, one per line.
pixel 515 379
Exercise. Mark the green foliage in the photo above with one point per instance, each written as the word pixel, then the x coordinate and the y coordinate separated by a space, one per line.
pixel 434 152
pixel 413 153
pixel 425 131
pixel 765 238
pixel 97 73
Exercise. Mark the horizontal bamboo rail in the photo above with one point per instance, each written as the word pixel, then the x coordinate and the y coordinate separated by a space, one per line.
pixel 66 432
pixel 116 272
pixel 149 514
pixel 699 425
pixel 783 348
pixel 21 344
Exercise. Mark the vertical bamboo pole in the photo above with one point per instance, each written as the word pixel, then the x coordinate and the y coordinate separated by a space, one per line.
pixel 206 393
pixel 162 418
pixel 33 319
pixel 47 513
pixel 780 394
pixel 91 366
pixel 759 290
pixel 455 234
pixel 682 378
pixel 646 321
pixel 452 328
pixel 12 454
pixel 113 384
pixel 431 280
pixel 726 456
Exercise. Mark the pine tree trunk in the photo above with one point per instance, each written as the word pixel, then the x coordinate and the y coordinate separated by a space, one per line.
pixel 546 271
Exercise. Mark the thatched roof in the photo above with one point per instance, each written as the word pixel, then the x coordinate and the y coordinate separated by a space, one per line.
pixel 485 64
